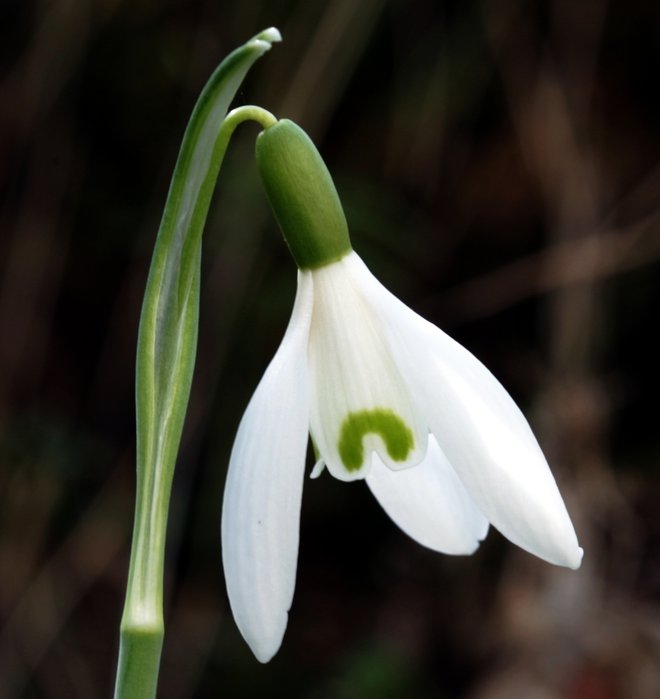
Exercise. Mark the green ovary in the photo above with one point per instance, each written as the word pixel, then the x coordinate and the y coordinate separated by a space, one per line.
pixel 396 435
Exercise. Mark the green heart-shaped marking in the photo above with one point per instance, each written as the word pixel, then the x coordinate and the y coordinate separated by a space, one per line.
pixel 396 435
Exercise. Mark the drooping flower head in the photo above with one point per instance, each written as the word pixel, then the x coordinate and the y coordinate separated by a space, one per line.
pixel 386 397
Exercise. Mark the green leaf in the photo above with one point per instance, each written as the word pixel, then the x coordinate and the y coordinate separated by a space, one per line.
pixel 167 343
pixel 168 326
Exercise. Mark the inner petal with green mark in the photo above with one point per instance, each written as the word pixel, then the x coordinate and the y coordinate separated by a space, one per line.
pixel 396 435
pixel 360 404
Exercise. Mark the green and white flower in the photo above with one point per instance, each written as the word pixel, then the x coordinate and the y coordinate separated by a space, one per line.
pixel 386 397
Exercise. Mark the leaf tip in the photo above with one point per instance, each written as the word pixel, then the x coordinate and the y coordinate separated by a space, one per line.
pixel 266 38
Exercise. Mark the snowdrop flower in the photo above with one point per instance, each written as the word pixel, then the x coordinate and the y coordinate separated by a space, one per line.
pixel 387 397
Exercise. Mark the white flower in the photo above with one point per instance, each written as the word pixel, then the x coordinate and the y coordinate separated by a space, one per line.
pixel 389 398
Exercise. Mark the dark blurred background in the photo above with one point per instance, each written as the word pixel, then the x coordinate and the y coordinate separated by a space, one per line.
pixel 499 163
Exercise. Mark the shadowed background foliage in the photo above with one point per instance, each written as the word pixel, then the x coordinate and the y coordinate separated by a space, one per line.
pixel 499 163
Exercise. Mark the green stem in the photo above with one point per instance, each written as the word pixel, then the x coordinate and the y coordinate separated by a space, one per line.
pixel 167 343
pixel 249 112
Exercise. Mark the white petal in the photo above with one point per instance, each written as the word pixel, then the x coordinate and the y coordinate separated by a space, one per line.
pixel 429 503
pixel 358 398
pixel 482 432
pixel 261 508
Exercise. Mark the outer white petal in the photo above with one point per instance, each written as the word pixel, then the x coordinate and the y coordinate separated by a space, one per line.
pixel 482 432
pixel 352 371
pixel 429 503
pixel 261 508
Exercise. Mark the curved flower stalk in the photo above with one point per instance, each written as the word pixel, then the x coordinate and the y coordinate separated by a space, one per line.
pixel 387 397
